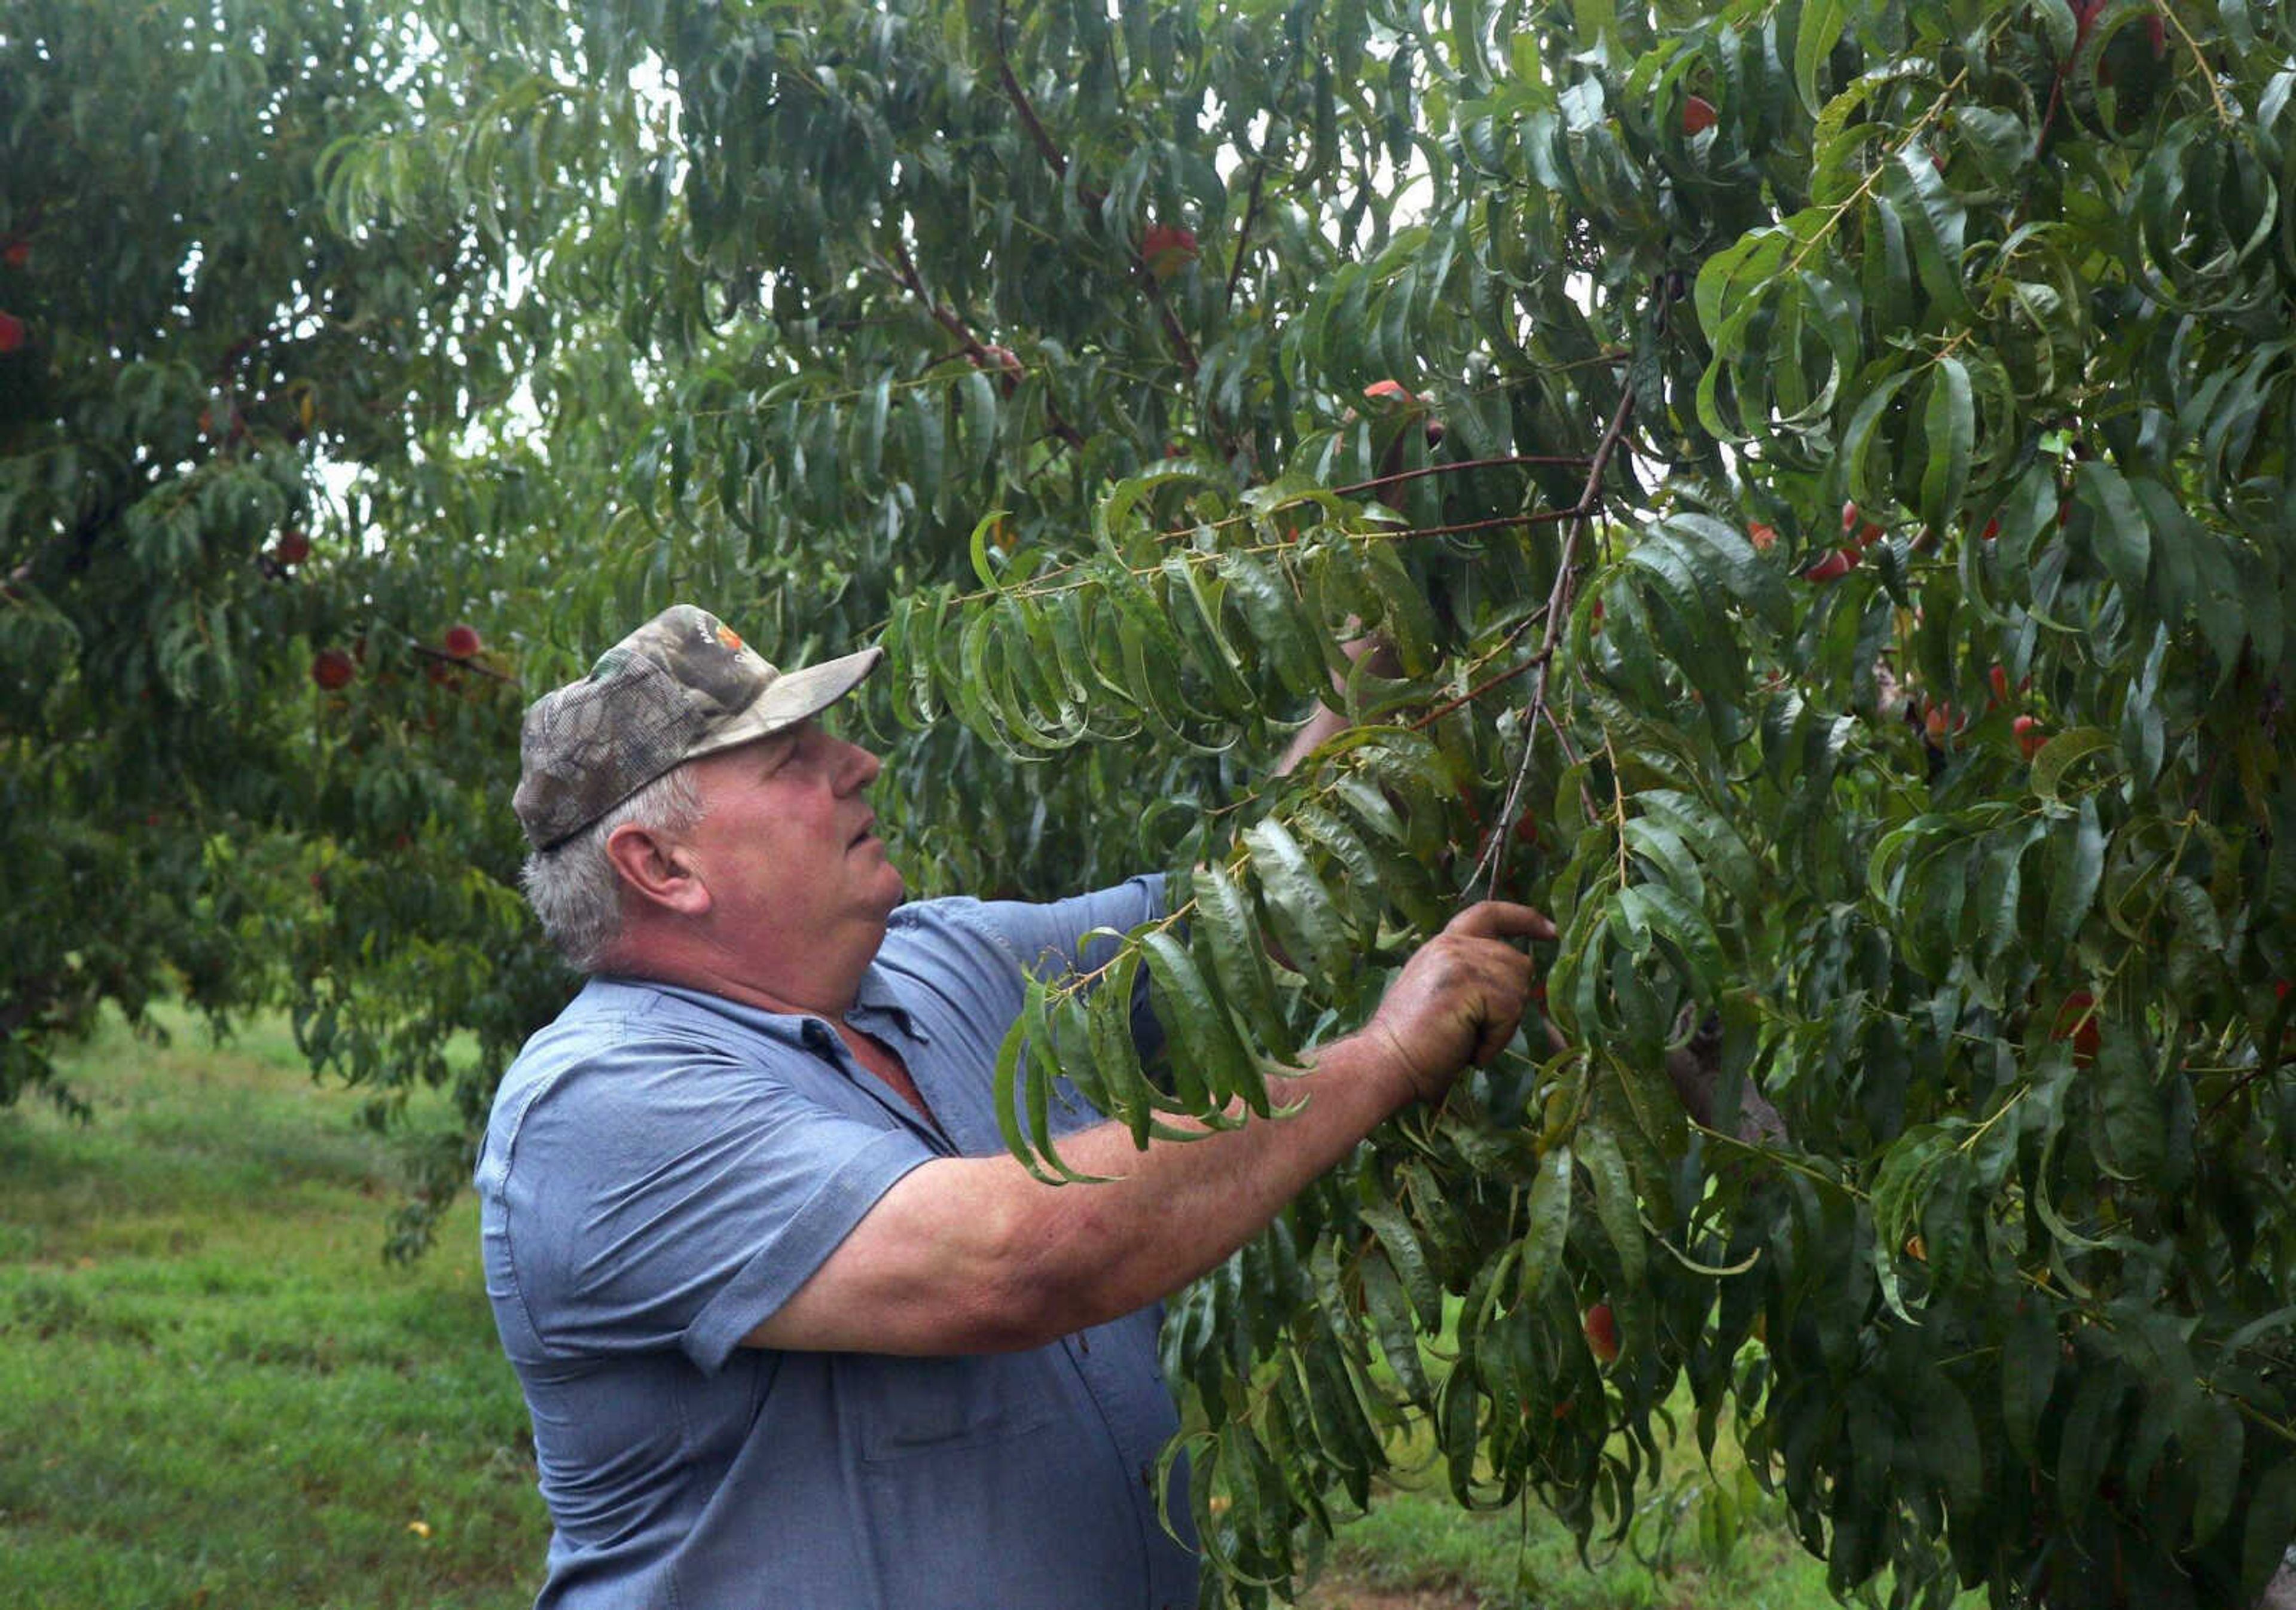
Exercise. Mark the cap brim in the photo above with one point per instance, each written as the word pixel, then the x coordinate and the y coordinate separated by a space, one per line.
pixel 792 697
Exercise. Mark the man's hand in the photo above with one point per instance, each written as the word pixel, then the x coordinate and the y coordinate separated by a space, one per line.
pixel 1460 996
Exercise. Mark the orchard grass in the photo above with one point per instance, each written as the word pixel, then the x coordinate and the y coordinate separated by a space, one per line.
pixel 213 1390
pixel 1418 1548
pixel 1707 1539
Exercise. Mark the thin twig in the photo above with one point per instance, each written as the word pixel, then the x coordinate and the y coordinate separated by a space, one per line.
pixel 1020 99
pixel 1429 718
pixel 1183 348
pixel 461 662
pixel 1008 365
pixel 1243 233
pixel 1562 459
pixel 2264 1069
pixel 1493 860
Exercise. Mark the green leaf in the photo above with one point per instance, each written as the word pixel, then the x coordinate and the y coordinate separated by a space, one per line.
pixel 1546 1226
pixel 2211 1445
pixel 2130 1124
pixel 1301 911
pixel 1202 1040
pixel 1818 29
pixel 2120 532
pixel 1195 613
pixel 2062 753
pixel 1238 958
pixel 1124 1091
pixel 1391 1325
pixel 1949 426
pixel 1405 618
pixel 1279 624
pixel 1615 1204
pixel 1410 1261
pixel 2076 870
pixel 2028 1371
pixel 2091 1432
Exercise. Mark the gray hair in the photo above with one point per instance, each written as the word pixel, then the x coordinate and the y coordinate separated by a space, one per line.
pixel 574 888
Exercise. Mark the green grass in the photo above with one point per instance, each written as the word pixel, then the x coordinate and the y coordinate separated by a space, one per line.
pixel 213 1392
pixel 1417 1546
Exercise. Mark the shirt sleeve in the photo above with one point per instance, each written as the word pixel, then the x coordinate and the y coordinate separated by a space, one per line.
pixel 666 1193
pixel 1048 939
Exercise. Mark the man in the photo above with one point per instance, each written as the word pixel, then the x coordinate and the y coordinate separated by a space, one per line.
pixel 793 1328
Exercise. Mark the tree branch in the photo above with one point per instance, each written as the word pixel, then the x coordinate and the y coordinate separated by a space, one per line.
pixel 1020 99
pixel 1244 230
pixel 1001 360
pixel 1456 465
pixel 1492 860
pixel 1182 348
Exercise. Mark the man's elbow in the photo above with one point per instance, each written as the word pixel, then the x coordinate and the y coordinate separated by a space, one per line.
pixel 1049 1276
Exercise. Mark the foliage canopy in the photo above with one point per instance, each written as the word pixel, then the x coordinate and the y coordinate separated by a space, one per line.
pixel 1824 467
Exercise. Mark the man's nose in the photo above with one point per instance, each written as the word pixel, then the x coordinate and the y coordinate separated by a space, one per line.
pixel 857 768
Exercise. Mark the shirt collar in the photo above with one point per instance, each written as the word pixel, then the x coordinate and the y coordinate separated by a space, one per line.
pixel 877 993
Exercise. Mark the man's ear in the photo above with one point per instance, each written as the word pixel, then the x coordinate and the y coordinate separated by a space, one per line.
pixel 657 871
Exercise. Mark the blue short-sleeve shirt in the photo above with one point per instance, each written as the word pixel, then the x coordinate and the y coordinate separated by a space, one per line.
pixel 663 1168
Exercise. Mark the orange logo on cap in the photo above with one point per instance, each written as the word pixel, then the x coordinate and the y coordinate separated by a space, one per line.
pixel 730 638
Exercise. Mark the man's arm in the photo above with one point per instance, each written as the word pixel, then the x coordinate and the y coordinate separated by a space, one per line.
pixel 975 1255
pixel 1323 722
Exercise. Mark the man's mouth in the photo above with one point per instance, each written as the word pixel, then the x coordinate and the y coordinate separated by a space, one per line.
pixel 865 833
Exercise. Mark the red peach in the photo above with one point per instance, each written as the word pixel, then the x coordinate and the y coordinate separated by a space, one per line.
pixel 332 669
pixel 1602 1332
pixel 2077 1022
pixel 1833 566
pixel 1167 249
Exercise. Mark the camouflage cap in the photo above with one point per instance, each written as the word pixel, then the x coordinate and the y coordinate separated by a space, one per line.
pixel 681 686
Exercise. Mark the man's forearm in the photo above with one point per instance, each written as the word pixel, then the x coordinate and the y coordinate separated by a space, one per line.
pixel 1170 1212
pixel 1323 722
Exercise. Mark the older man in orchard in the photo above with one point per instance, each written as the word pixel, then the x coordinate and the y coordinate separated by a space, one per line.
pixel 794 1331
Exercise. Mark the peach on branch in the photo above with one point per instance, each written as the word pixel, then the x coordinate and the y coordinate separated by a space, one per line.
pixel 2077 1022
pixel 1168 249
pixel 1833 566
pixel 333 669
pixel 1603 1333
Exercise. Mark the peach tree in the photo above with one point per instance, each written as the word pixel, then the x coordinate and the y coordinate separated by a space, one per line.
pixel 1820 471
pixel 241 745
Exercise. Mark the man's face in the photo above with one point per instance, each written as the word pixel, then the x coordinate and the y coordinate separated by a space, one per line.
pixel 785 840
